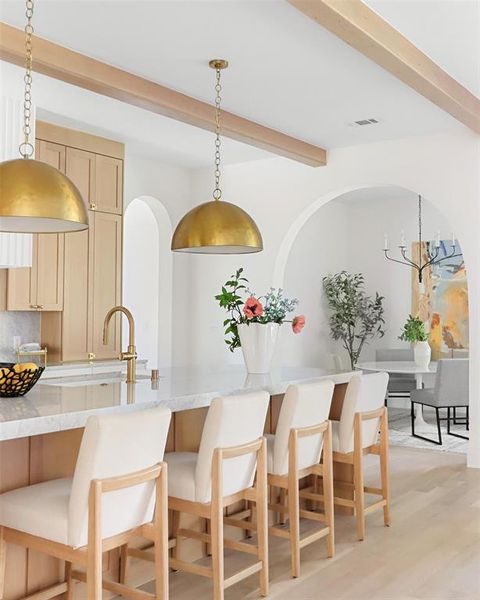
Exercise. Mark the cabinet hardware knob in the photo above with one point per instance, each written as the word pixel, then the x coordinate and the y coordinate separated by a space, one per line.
pixel 93 206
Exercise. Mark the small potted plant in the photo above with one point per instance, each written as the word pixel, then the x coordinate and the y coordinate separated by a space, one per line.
pixel 254 321
pixel 414 332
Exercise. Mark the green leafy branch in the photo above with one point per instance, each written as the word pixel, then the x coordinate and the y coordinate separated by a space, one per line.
pixel 231 301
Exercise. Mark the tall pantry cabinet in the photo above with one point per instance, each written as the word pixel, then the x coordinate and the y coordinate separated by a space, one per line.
pixel 92 259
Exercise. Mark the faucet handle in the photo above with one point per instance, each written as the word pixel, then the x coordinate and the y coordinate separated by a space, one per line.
pixel 127 355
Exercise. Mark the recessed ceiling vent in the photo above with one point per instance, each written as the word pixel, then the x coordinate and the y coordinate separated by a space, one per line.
pixel 362 122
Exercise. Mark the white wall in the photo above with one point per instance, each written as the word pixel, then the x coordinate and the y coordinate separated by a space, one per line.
pixel 141 277
pixel 166 190
pixel 321 248
pixel 282 196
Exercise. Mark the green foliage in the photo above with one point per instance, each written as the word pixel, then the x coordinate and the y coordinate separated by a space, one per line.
pixel 230 300
pixel 413 330
pixel 355 317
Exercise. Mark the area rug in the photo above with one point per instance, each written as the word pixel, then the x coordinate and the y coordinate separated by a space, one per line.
pixel 400 432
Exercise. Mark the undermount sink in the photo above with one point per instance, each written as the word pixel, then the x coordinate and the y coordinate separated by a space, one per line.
pixel 91 380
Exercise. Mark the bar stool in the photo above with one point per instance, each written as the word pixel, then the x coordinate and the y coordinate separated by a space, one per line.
pixel 118 491
pixel 232 450
pixel 302 438
pixel 363 417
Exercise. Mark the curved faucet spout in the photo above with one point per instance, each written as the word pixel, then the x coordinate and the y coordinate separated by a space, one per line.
pixel 131 354
pixel 131 324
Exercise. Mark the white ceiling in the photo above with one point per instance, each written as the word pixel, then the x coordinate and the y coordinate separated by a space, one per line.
pixel 286 72
pixel 446 30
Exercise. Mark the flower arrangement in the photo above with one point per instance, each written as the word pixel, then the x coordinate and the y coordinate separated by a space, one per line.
pixel 273 307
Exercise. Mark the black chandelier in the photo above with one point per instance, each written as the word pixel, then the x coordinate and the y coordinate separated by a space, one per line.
pixel 433 257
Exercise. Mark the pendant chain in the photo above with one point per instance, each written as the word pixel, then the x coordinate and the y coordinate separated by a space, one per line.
pixel 217 192
pixel 26 148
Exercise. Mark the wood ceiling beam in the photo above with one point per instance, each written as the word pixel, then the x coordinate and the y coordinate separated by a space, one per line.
pixel 85 72
pixel 363 29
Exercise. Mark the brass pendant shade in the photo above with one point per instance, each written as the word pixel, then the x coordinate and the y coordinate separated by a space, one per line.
pixel 217 228
pixel 37 198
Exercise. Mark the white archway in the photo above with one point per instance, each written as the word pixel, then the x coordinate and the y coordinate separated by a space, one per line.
pixel 147 281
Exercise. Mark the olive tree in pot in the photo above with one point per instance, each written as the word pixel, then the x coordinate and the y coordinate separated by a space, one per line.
pixel 414 332
pixel 355 317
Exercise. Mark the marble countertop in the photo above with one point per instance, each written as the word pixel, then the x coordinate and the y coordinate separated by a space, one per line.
pixel 67 402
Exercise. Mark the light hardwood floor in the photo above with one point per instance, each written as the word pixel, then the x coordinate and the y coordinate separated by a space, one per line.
pixel 431 551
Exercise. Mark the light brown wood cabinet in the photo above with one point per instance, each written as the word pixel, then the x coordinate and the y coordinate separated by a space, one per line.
pixel 93 284
pixel 39 287
pixel 92 259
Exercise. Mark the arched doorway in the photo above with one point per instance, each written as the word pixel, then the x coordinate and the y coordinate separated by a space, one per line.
pixel 147 278
pixel 345 231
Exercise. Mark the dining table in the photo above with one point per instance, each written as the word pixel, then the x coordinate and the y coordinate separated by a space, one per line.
pixel 404 367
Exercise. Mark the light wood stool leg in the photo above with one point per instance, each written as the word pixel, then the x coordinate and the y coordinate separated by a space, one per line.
pixel 175 526
pixel 262 517
pixel 358 478
pixel 293 505
pixel 161 536
pixel 328 490
pixel 384 468
pixel 68 580
pixel 3 563
pixel 122 571
pixel 283 502
pixel 94 552
pixel 217 528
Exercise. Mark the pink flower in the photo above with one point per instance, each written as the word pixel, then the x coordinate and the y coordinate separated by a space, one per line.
pixel 298 324
pixel 253 308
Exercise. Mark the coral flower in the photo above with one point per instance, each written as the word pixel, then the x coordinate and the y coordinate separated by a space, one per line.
pixel 298 324
pixel 253 308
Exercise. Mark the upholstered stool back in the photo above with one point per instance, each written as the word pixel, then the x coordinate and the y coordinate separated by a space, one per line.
pixel 364 393
pixel 114 445
pixel 304 405
pixel 231 421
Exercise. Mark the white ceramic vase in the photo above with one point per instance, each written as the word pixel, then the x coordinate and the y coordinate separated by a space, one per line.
pixel 422 353
pixel 258 345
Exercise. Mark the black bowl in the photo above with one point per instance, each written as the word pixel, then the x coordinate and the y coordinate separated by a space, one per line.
pixel 13 384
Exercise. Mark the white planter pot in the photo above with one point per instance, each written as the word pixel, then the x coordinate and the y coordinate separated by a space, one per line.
pixel 258 345
pixel 422 353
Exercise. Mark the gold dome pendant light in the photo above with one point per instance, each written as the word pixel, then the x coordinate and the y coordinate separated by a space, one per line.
pixel 217 227
pixel 36 197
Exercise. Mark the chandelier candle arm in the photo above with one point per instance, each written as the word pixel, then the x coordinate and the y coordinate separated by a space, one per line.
pixel 432 257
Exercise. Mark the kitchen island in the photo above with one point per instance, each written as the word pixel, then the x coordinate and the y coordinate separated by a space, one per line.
pixel 40 435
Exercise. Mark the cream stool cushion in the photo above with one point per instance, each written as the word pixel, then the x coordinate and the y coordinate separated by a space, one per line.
pixel 181 474
pixel 231 421
pixel 40 509
pixel 304 405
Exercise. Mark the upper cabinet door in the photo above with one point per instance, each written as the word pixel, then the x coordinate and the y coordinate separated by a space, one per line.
pixel 109 184
pixel 22 284
pixel 105 281
pixel 80 168
pixel 50 153
pixel 49 271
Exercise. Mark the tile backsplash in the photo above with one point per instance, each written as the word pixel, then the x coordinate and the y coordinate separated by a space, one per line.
pixel 26 325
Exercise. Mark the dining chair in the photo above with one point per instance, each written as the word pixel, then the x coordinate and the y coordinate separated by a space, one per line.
pixel 303 438
pixel 400 385
pixel 363 429
pixel 230 466
pixel 118 492
pixel 451 392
